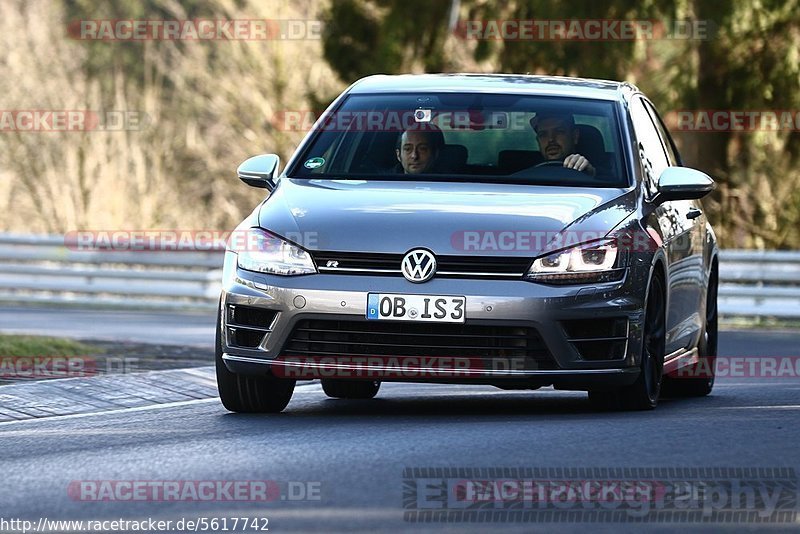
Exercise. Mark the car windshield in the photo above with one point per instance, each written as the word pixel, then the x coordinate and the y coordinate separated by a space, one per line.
pixel 467 137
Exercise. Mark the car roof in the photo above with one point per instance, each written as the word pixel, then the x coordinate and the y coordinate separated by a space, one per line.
pixel 495 83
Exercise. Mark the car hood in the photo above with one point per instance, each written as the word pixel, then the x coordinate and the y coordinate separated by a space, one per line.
pixel 451 218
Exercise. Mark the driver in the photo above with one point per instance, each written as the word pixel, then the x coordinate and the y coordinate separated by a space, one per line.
pixel 557 137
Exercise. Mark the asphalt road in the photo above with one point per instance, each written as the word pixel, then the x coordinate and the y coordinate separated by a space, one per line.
pixel 356 458
pixel 166 328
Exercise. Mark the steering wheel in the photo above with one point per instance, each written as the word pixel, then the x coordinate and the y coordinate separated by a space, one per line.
pixel 550 163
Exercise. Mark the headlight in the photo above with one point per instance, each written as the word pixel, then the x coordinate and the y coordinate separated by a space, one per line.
pixel 598 261
pixel 266 253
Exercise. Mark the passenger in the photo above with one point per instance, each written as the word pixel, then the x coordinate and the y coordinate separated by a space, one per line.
pixel 417 150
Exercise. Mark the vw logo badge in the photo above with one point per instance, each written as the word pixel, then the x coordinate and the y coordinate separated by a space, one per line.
pixel 419 265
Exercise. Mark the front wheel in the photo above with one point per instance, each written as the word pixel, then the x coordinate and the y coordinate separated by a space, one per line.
pixel 644 393
pixel 250 394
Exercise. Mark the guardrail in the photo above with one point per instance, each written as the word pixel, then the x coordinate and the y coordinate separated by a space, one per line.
pixel 41 269
pixel 759 283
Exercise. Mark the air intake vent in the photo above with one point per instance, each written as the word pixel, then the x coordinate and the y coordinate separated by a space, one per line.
pixel 244 337
pixel 250 316
pixel 598 339
pixel 247 325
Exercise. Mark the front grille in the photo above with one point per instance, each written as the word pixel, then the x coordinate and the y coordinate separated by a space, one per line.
pixel 511 346
pixel 598 339
pixel 382 264
pixel 247 325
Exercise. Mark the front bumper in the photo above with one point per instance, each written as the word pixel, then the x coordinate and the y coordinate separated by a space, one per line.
pixel 488 302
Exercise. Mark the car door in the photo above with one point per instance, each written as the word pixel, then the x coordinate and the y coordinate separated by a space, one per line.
pixel 667 219
pixel 693 222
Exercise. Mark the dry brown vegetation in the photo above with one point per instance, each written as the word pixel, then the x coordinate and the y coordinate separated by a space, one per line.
pixel 177 169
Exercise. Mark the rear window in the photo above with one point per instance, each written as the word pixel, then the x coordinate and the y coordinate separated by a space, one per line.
pixel 469 137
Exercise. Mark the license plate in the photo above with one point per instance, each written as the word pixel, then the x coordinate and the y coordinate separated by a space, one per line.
pixel 434 308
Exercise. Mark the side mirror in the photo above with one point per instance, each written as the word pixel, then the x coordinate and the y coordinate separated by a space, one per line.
pixel 682 183
pixel 259 171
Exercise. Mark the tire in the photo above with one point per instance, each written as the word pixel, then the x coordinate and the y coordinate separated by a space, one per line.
pixel 250 394
pixel 700 379
pixel 645 392
pixel 350 389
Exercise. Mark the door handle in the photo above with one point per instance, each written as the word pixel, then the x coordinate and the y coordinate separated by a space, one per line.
pixel 694 213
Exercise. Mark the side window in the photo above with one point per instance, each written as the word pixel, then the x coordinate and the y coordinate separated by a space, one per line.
pixel 651 151
pixel 666 139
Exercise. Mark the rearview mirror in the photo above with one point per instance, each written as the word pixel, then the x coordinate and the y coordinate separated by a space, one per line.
pixel 682 183
pixel 259 171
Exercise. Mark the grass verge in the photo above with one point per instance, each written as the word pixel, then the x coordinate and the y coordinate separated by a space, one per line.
pixel 20 346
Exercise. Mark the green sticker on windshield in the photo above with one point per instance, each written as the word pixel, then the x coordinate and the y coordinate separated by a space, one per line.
pixel 313 163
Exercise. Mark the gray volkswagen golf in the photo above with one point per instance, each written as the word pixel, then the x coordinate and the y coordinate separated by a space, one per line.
pixel 504 230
